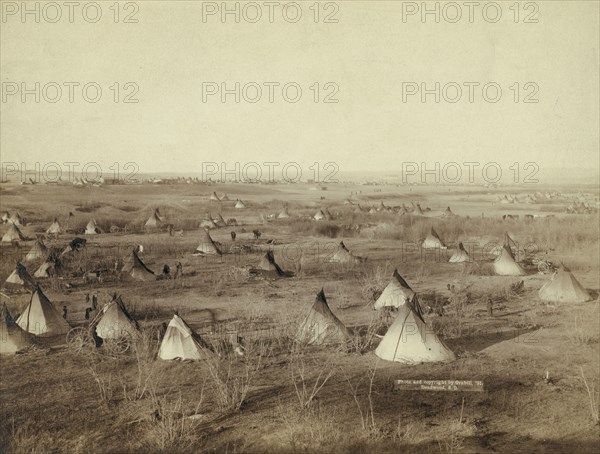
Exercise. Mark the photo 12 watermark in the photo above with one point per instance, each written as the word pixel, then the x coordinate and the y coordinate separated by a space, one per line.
pixel 470 92
pixel 269 172
pixel 71 172
pixel 470 12
pixel 270 12
pixel 270 92
pixel 69 92
pixel 49 12
pixel 470 172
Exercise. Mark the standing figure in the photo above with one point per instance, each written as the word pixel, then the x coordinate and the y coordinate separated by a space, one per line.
pixel 178 271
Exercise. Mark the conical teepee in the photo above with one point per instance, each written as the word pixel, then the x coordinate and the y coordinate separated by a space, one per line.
pixel 55 228
pixel 16 219
pixel 38 251
pixel 208 222
pixel 240 205
pixel 268 265
pixel 12 234
pixel 214 197
pixel 343 255
pixel 219 221
pixel 21 277
pixel 91 228
pixel 511 244
pixel 41 318
pixel 12 337
pixel 448 213
pixel 321 326
pixel 5 217
pixel 563 287
pixel 115 322
pixel 154 221
pixel 506 265
pixel 460 255
pixel 433 241
pixel 409 340
pixel 46 269
pixel 136 269
pixel 180 342
pixel 207 246
pixel 284 214
pixel 396 294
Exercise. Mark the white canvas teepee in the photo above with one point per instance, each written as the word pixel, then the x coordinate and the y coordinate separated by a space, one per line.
pixel 55 228
pixel 136 269
pixel 409 340
pixel 46 269
pixel 563 287
pixel 16 219
pixel 21 277
pixel 214 197
pixel 12 337
pixel 240 205
pixel 321 326
pixel 38 251
pixel 396 294
pixel 284 214
pixel 343 255
pixel 506 265
pixel 91 228
pixel 268 265
pixel 41 318
pixel 219 221
pixel 460 255
pixel 433 241
pixel 12 234
pixel 180 342
pixel 208 223
pixel 115 322
pixel 154 221
pixel 207 246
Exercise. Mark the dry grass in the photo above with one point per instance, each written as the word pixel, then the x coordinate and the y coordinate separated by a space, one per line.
pixel 229 403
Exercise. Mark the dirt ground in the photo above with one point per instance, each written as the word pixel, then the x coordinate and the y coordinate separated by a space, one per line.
pixel 540 362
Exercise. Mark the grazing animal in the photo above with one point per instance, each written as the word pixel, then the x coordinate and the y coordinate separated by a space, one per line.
pixel 256 233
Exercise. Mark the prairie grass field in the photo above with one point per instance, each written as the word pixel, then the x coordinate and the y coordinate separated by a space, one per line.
pixel 539 361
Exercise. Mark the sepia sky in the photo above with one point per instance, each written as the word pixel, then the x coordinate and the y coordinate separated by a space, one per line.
pixel 369 53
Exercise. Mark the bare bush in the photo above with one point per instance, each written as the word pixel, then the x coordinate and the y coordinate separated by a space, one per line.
pixel 305 391
pixel 366 409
